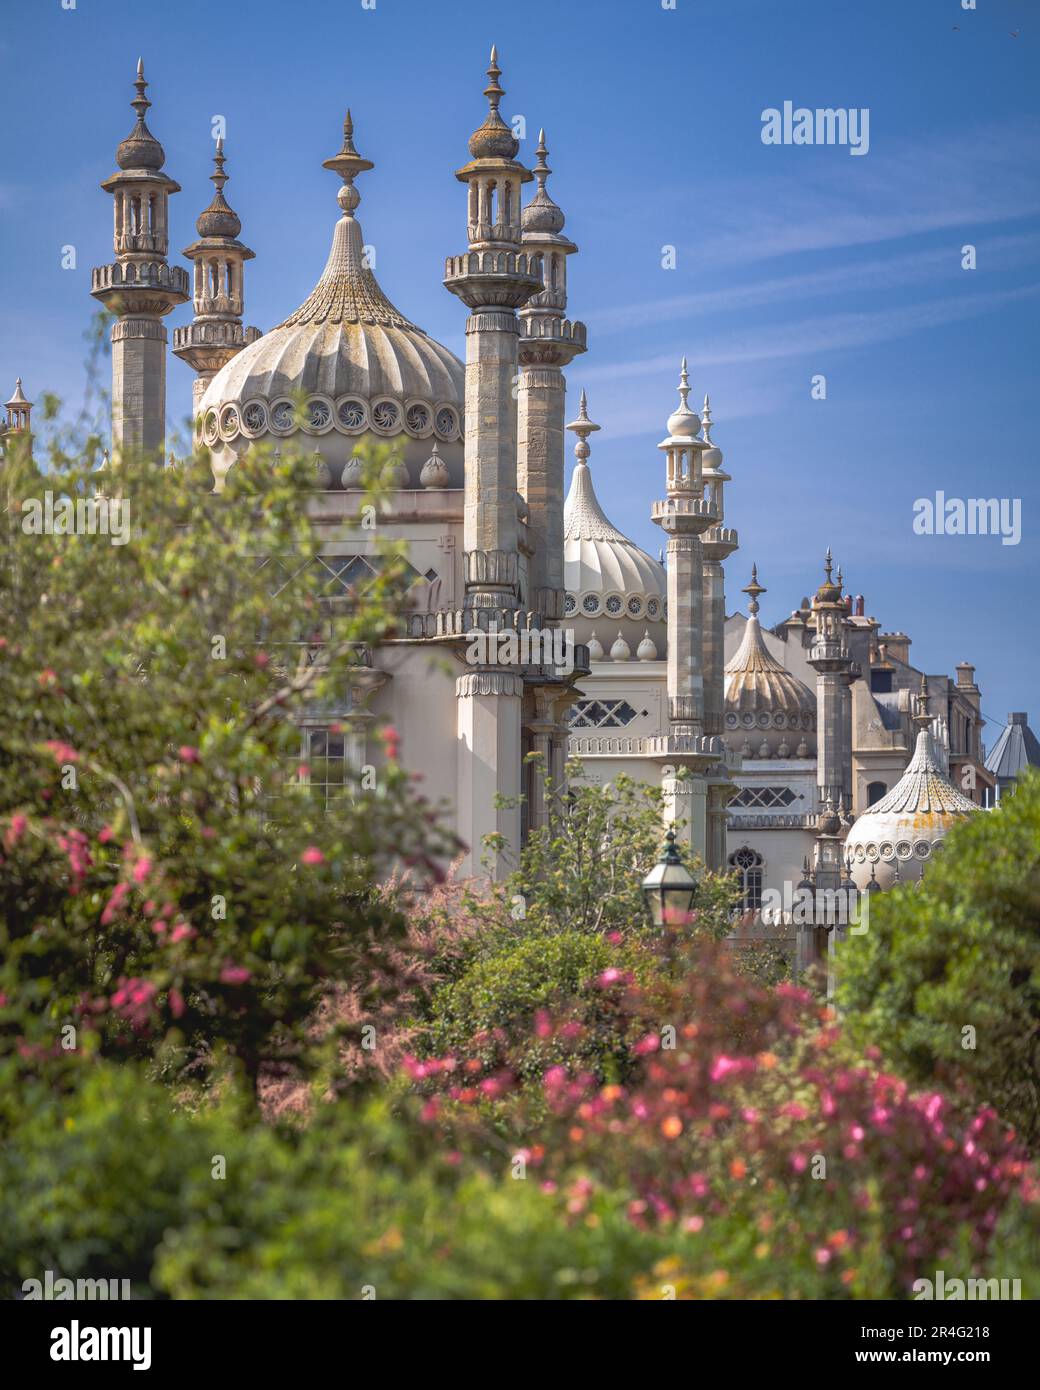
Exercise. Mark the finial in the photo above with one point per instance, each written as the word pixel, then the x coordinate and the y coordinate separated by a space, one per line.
pixel 348 164
pixel 140 103
pixel 839 580
pixel 706 418
pixel 828 565
pixel 684 385
pixel 493 91
pixel 754 589
pixel 582 427
pixel 541 167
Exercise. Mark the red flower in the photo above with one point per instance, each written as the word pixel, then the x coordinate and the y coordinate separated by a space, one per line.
pixel 187 754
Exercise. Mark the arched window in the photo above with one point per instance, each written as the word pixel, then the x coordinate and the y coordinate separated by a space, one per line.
pixel 748 864
pixel 875 791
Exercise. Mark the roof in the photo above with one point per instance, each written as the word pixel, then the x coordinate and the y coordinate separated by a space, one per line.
pixel 1016 749
pixel 598 558
pixel 756 681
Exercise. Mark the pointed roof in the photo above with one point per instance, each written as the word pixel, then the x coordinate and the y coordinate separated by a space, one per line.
pixel 755 681
pixel 1016 749
pixel 598 558
pixel 923 788
pixel 19 396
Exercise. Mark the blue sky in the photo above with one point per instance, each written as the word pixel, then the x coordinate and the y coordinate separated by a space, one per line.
pixel 790 261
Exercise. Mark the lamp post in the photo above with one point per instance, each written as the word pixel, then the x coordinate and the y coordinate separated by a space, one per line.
pixel 669 889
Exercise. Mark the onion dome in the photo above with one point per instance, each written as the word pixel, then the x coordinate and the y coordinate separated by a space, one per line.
pixel 595 647
pixel 893 839
pixel 647 649
pixel 218 219
pixel 360 365
pixel 322 472
pixel 684 423
pixel 711 458
pixel 541 214
pixel 494 139
pixel 620 651
pixel 395 473
pixel 140 149
pixel 434 471
pixel 353 472
pixel 760 694
pixel 829 591
pixel 604 572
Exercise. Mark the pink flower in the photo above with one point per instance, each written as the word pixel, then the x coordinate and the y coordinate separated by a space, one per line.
pixel 235 975
pixel 142 869
pixel 188 754
pixel 63 752
pixel 182 932
pixel 105 834
pixel 312 855
pixel 176 1003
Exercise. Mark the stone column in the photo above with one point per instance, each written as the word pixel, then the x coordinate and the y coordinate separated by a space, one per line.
pixel 489 765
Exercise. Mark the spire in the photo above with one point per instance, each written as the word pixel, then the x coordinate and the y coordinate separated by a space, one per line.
pixel 754 589
pixel 684 423
pixel 348 164
pixel 493 139
pixel 218 220
pixel 18 410
pixel 541 213
pixel 140 149
pixel 582 427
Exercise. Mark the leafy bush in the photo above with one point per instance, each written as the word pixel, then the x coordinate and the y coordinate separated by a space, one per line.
pixel 962 952
pixel 168 886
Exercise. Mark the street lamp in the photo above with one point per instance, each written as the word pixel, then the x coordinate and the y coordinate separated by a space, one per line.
pixel 669 888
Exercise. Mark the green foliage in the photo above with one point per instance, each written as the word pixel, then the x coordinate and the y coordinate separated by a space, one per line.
pixel 494 1008
pixel 169 886
pixel 961 952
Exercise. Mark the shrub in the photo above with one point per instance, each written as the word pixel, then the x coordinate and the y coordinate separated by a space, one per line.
pixel 962 952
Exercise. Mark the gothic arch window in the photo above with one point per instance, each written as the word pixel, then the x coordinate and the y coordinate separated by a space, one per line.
pixel 748 863
pixel 875 791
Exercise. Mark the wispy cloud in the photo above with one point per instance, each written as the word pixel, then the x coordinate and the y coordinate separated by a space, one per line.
pixel 822 333
pixel 1002 254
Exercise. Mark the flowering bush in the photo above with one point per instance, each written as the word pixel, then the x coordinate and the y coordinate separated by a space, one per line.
pixel 168 886
pixel 747 1103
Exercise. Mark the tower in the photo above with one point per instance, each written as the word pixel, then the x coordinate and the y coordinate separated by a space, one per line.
pixel 549 341
pixel 216 332
pixel 719 542
pixel 19 412
pixel 493 278
pixel 684 515
pixel 835 671
pixel 140 287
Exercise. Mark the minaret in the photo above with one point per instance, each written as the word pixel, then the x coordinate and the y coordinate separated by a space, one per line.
pixel 140 287
pixel 19 412
pixel 685 515
pixel 216 332
pixel 829 657
pixel 493 279
pixel 719 542
pixel 548 342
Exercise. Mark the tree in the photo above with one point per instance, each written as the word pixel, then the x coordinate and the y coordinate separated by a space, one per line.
pixel 947 980
pixel 169 886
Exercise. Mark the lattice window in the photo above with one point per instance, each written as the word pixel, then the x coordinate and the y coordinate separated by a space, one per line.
pixel 601 714
pixel 748 864
pixel 333 576
pixel 325 758
pixel 764 798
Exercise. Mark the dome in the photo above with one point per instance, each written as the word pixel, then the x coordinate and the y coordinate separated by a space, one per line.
pixel 599 561
pixel 361 366
pixel 218 219
pixel 896 836
pixel 762 697
pixel 140 149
